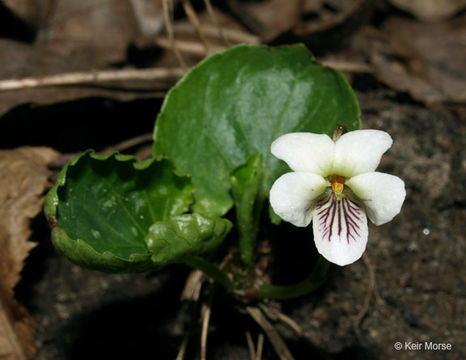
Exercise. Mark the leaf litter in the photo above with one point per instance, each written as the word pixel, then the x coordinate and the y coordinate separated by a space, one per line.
pixel 24 178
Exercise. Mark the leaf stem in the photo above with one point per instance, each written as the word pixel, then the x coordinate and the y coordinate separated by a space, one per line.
pixel 210 270
pixel 315 279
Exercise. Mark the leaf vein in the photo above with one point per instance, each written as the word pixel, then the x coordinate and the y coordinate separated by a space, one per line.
pixel 277 129
pixel 102 220
pixel 123 206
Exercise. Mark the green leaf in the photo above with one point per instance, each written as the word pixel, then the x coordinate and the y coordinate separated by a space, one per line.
pixel 185 236
pixel 315 279
pixel 274 218
pixel 236 103
pixel 102 207
pixel 246 183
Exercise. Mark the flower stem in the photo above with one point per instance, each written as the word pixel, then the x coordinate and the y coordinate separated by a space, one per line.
pixel 210 270
pixel 315 279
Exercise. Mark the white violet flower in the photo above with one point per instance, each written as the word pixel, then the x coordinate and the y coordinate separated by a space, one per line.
pixel 335 185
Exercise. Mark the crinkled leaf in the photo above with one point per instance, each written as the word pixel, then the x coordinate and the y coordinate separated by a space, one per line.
pixel 246 183
pixel 183 236
pixel 102 207
pixel 235 103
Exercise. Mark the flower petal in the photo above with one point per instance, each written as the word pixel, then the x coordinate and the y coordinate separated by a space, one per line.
pixel 359 151
pixel 292 196
pixel 340 230
pixel 382 194
pixel 305 152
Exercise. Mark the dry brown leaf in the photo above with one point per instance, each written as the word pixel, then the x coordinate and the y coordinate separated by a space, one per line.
pixel 24 178
pixel 429 63
pixel 79 35
pixel 276 16
pixel 32 12
pixel 89 33
pixel 16 330
pixel 149 17
pixel 431 10
pixel 330 28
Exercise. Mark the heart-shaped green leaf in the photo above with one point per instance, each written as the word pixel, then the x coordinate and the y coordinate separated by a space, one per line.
pixel 236 103
pixel 102 207
pixel 189 235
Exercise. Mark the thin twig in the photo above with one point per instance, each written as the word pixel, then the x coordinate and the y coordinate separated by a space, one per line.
pixel 228 257
pixel 211 12
pixel 235 36
pixel 192 288
pixel 367 300
pixel 205 329
pixel 276 315
pixel 103 76
pixel 346 66
pixel 191 47
pixel 127 144
pixel 63 159
pixel 252 351
pixel 93 77
pixel 193 308
pixel 194 20
pixel 372 279
pixel 260 346
pixel 275 339
pixel 290 322
pixel 183 347
pixel 143 153
pixel 171 36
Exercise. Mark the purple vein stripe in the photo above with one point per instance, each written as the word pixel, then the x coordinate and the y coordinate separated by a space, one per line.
pixel 340 216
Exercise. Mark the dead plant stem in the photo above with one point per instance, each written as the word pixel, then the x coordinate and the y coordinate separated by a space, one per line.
pixel 182 351
pixel 169 26
pixel 252 350
pixel 260 346
pixel 92 77
pixel 194 20
pixel 206 309
pixel 275 339
pixel 212 15
pixel 367 300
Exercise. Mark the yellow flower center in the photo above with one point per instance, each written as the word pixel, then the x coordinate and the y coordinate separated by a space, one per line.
pixel 338 184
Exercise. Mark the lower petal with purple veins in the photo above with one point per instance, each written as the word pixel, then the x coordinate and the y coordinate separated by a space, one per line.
pixel 340 229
